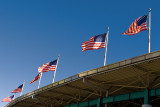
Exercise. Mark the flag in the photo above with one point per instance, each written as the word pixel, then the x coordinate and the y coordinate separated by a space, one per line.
pixel 95 42
pixel 36 78
pixel 8 99
pixel 51 66
pixel 17 90
pixel 137 26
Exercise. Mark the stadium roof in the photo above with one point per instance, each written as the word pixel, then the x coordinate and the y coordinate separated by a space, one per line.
pixel 131 75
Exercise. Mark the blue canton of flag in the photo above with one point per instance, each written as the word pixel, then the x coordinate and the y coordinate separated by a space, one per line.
pixel 53 62
pixel 17 90
pixel 51 66
pixel 95 42
pixel 100 38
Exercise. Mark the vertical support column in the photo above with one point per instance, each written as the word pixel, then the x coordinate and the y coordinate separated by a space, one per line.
pixel 146 99
pixel 106 96
pixel 146 96
pixel 77 104
pixel 99 102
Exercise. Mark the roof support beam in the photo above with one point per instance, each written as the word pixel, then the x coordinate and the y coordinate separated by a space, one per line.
pixel 155 79
pixel 140 68
pixel 120 85
pixel 127 86
pixel 93 85
pixel 51 99
pixel 122 78
pixel 156 85
pixel 139 77
pixel 123 87
pixel 38 100
pixel 66 94
pixel 87 97
pixel 88 91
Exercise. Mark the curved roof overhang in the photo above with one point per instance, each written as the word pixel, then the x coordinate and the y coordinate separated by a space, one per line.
pixel 131 75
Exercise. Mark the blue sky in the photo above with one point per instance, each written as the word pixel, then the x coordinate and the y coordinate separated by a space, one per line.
pixel 34 32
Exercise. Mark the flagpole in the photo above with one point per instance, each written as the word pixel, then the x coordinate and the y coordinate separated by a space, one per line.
pixel 149 31
pixel 22 88
pixel 106 44
pixel 40 80
pixel 14 96
pixel 55 69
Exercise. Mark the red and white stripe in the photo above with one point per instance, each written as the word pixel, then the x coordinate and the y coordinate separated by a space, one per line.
pixel 134 28
pixel 36 78
pixel 46 68
pixel 17 90
pixel 7 99
pixel 91 45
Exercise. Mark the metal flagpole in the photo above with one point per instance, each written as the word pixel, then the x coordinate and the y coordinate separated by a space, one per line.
pixel 106 43
pixel 40 80
pixel 149 31
pixel 55 69
pixel 22 88
pixel 14 97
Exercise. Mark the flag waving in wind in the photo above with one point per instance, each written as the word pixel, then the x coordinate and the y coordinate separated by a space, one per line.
pixel 8 99
pixel 137 26
pixel 36 78
pixel 51 66
pixel 17 90
pixel 95 42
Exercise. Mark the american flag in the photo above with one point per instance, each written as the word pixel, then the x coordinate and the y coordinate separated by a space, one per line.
pixel 95 42
pixel 17 90
pixel 36 78
pixel 137 26
pixel 8 99
pixel 51 66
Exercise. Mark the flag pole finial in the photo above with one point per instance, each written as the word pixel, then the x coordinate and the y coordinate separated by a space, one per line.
pixel 108 28
pixel 149 9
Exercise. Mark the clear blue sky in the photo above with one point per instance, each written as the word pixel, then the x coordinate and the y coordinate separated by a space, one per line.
pixel 34 32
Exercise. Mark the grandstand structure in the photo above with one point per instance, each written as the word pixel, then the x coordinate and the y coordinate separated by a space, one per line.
pixel 133 82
